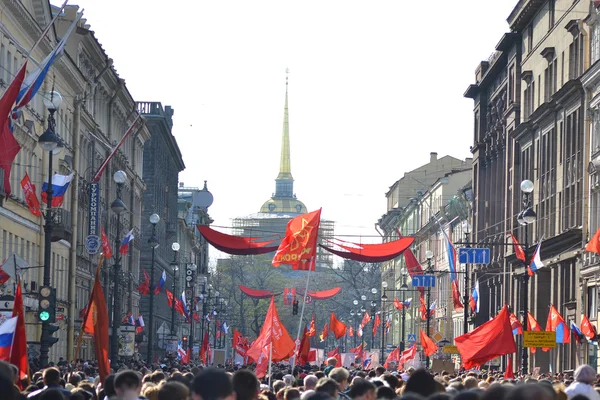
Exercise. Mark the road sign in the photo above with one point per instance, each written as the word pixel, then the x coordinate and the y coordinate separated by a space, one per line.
pixel 449 349
pixel 437 336
pixel 539 339
pixel 412 338
pixel 423 281
pixel 473 255
pixel 307 299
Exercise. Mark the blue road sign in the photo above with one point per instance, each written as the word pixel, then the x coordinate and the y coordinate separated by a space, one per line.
pixel 473 255
pixel 412 338
pixel 423 281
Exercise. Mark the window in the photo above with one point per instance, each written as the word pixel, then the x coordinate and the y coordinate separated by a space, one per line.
pixel 550 80
pixel 547 156
pixel 511 84
pixel 576 56
pixel 529 38
pixel 551 13
pixel 595 42
pixel 573 171
pixel 592 302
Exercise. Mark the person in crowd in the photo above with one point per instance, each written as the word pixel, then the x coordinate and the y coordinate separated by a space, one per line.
pixel 128 385
pixel 51 379
pixel 362 389
pixel 341 376
pixel 245 385
pixel 585 377
pixel 310 381
pixel 328 386
pixel 213 384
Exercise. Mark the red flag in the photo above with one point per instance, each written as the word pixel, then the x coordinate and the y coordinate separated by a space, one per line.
pixel 516 325
pixel 312 355
pixel 408 355
pixel 358 350
pixel 4 277
pixel 336 354
pixel 587 328
pixel 593 245
pixel 376 324
pixel 30 196
pixel 186 358
pixel 9 147
pixel 304 348
pixel 398 304
pixel 556 323
pixel 458 305
pixel 519 252
pixel 18 354
pixel 350 332
pixel 325 332
pixel 509 373
pixel 273 334
pixel 366 319
pixel 532 325
pixel 394 356
pixel 337 327
pixel 144 287
pixel 429 347
pixel 262 363
pixel 300 242
pixel 96 323
pixel 312 330
pixel 240 343
pixel 423 307
pixel 204 348
pixel 491 339
pixel 106 247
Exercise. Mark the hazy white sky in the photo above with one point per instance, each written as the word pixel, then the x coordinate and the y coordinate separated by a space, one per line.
pixel 375 86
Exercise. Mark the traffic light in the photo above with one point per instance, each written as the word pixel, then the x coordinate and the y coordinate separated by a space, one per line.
pixel 47 305
pixel 295 308
pixel 184 342
pixel 47 335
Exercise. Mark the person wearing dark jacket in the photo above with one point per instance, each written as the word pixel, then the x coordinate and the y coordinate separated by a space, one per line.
pixel 51 378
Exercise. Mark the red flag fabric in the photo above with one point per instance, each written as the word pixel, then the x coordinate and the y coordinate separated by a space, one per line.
pixel 376 324
pixel 593 245
pixel 4 277
pixel 423 307
pixel 350 332
pixel 186 358
pixel 398 304
pixel 273 334
pixel 96 324
pixel 532 325
pixel 204 348
pixel 304 348
pixel 408 355
pixel 337 327
pixel 458 305
pixel 30 196
pixel 429 347
pixel 366 319
pixel 587 328
pixel 394 356
pixel 18 354
pixel 9 147
pixel 300 241
pixel 312 330
pixel 519 252
pixel 144 287
pixel 491 339
pixel 262 363
pixel 515 324
pixel 107 250
pixel 556 323
pixel 312 355
pixel 509 373
pixel 240 343
pixel 325 332
pixel 336 354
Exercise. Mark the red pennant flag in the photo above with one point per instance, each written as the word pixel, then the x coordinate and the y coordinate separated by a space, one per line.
pixel 408 355
pixel 18 354
pixel 491 339
pixel 312 330
pixel 516 326
pixel 106 246
pixel 9 147
pixel 325 332
pixel 358 350
pixel 4 277
pixel 532 325
pixel 376 324
pixel 262 363
pixel 556 323
pixel 273 334
pixel 394 356
pixel 304 348
pixel 350 332
pixel 96 324
pixel 458 305
pixel 587 328
pixel 398 304
pixel 336 354
pixel 204 348
pixel 30 196
pixel 423 307
pixel 300 242
pixel 429 347
pixel 509 373
pixel 519 252
pixel 337 327
pixel 593 245
pixel 144 287
pixel 366 319
pixel 240 343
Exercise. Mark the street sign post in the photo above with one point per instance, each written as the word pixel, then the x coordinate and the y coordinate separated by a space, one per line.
pixel 423 281
pixel 473 255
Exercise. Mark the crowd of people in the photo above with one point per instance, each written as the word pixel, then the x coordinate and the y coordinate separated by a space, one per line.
pixel 78 381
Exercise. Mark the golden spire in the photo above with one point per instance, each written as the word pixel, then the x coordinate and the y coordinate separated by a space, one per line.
pixel 285 169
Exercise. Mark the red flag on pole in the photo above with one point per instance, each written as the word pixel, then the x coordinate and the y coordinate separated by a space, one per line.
pixel 366 319
pixel 587 328
pixel 519 252
pixel 18 355
pixel 273 333
pixel 393 357
pixel 532 325
pixel 304 348
pixel 106 246
pixel 408 355
pixel 336 354
pixel 30 196
pixel 325 332
pixel 312 330
pixel 337 327
pixel 376 324
pixel 144 287
pixel 300 241
pixel 509 373
pixel 492 339
pixel 458 305
pixel 429 347
pixel 204 348
pixel 593 245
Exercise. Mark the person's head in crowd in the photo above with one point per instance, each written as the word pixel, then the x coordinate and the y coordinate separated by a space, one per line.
pixel 483 385
pixel 174 390
pixel 50 394
pixel 291 394
pixel 245 385
pixel 421 382
pixel 320 374
pixel 88 387
pixel 52 377
pixel 391 380
pixel 109 386
pixel 387 393
pixel 213 384
pixel 362 389
pixel 329 386
pixel 372 374
pixel 158 376
pixel 306 394
pixel 81 394
pixel 379 371
pixel 473 394
pixel 341 376
pixel 310 381
pixel 128 385
pixel 440 396
pixel 471 382
pixel 288 380
pixel 533 391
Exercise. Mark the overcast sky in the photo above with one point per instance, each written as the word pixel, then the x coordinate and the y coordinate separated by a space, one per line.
pixel 374 87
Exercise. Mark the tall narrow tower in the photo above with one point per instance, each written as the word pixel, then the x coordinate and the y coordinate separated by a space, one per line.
pixel 284 200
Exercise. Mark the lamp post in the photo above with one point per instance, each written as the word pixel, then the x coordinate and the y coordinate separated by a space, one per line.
pixel 403 289
pixel 373 311
pixel 192 267
pixel 466 227
pixel 429 256
pixel 203 295
pixel 216 315
pixel 117 207
pixel 526 217
pixel 352 314
pixel 175 266
pixel 153 242
pixel 384 284
pixel 50 142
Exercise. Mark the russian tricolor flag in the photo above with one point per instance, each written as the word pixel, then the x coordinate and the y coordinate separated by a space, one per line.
pixel 407 302
pixel 161 283
pixel 536 263
pixel 139 324
pixel 451 260
pixel 184 304
pixel 474 301
pixel 125 243
pixel 60 184
pixel 7 335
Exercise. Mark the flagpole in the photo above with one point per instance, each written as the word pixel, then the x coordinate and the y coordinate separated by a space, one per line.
pixel 302 312
pixel 47 29
pixel 270 361
pixel 80 338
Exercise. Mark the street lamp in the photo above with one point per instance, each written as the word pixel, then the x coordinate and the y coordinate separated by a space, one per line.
pixel 192 267
pixel 526 217
pixel 352 314
pixel 117 207
pixel 373 311
pixel 403 289
pixel 49 141
pixel 429 256
pixel 466 227
pixel 174 265
pixel 153 242
pixel 384 284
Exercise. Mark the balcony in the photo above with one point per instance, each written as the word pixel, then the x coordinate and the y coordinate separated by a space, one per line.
pixel 61 226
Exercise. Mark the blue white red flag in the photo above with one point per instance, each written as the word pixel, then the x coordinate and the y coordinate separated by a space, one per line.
pixel 125 243
pixel 536 263
pixel 578 335
pixel 161 283
pixel 60 184
pixel 7 335
pixel 474 300
pixel 451 259
pixel 184 304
